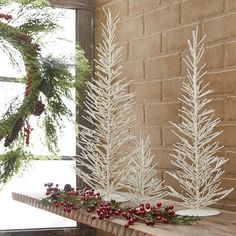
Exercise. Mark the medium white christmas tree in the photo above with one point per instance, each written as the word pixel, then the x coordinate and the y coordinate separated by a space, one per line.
pixel 142 184
pixel 104 153
pixel 199 169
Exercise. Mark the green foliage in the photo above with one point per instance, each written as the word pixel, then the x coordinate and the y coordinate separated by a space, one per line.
pixel 48 80
pixel 11 162
pixel 35 3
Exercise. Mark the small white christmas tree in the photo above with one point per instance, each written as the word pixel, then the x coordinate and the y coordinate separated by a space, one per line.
pixel 199 169
pixel 142 184
pixel 104 153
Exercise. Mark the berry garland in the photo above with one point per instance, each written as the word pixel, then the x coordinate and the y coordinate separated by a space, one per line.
pixel 92 202
pixel 47 81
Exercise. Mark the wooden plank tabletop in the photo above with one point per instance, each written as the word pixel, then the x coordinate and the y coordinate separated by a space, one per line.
pixel 221 225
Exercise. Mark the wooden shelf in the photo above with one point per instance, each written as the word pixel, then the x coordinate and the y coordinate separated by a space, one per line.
pixel 221 225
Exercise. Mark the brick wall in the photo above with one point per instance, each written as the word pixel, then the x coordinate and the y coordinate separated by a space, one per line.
pixel 153 34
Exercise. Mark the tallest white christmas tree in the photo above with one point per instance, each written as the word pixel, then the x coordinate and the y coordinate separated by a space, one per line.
pixel 104 153
pixel 199 169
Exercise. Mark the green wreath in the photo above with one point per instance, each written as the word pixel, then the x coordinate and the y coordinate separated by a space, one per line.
pixel 47 80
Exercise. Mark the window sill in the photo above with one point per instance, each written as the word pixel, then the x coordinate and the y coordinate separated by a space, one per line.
pixel 210 226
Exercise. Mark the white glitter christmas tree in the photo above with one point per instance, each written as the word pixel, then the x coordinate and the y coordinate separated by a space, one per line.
pixel 104 144
pixel 199 169
pixel 142 184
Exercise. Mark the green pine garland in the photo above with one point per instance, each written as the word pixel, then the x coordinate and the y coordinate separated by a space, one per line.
pixel 47 81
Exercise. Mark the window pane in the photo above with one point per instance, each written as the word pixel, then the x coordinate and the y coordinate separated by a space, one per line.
pixel 16 215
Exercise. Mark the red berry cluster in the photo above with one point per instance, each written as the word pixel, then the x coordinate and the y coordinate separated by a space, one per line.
pixel 71 198
pixel 106 210
pixel 6 16
pixel 92 202
pixel 51 189
pixel 90 195
pixel 144 213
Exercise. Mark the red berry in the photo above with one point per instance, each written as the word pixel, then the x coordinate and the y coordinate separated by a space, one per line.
pixel 171 213
pixel 142 208
pixel 88 209
pixel 126 226
pixel 124 214
pixel 117 212
pixel 158 204
pixel 141 205
pixel 101 216
pixel 171 207
pixel 147 223
pixel 143 212
pixel 137 213
pixel 130 222
pixel 147 206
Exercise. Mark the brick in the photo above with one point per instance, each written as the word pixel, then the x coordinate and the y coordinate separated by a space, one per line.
pixel 98 2
pixel 163 67
pixel 161 113
pixel 213 58
pixel 230 109
pixel 168 137
pixel 130 28
pixel 214 29
pixel 229 166
pixel 162 19
pixel 220 28
pixel 228 183
pixel 164 2
pixel 153 131
pixel 124 53
pixel 177 38
pixel 97 35
pixel 119 8
pixel 163 158
pixel 137 6
pixel 229 22
pixel 218 106
pixel 133 70
pixel 145 47
pixel 172 88
pixel 222 82
pixel 147 91
pixel 231 53
pixel 139 113
pixel 97 17
pixel 228 135
pixel 193 10
pixel 231 4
